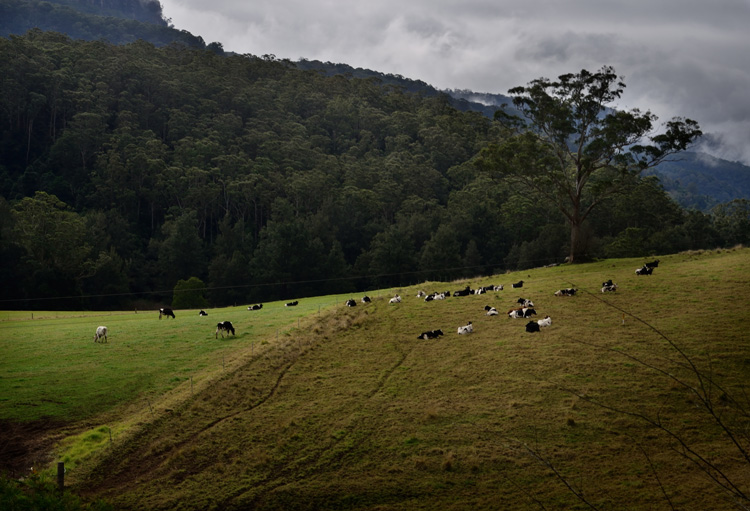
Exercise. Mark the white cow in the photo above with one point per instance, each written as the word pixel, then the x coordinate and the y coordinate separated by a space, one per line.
pixel 100 332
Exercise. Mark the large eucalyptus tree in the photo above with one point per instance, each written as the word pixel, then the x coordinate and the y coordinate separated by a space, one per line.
pixel 573 148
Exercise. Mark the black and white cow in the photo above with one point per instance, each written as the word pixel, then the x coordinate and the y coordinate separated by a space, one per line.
pixel 203 313
pixel 463 292
pixel 164 311
pixel 652 264
pixel 645 270
pixel 432 334
pixel 523 302
pixel 255 307
pixel 532 326
pixel 566 292
pixel 466 329
pixel 609 286
pixel 395 299
pixel 366 299
pixel 292 304
pixel 490 311
pixel 101 331
pixel 224 326
pixel 351 303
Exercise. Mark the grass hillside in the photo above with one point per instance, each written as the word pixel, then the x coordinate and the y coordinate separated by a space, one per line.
pixel 629 400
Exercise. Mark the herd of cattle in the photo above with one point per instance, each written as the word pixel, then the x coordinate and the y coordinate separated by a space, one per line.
pixel 523 310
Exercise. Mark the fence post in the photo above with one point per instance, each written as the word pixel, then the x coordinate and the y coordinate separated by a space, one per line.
pixel 60 475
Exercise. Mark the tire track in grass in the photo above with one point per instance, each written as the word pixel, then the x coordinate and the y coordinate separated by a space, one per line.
pixel 282 471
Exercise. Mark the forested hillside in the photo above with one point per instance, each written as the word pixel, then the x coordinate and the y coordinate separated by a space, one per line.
pixel 126 169
pixel 116 21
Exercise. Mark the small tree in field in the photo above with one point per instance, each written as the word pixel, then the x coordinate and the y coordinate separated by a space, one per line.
pixel 573 150
pixel 188 294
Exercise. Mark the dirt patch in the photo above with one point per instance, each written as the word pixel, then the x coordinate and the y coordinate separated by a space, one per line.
pixel 24 445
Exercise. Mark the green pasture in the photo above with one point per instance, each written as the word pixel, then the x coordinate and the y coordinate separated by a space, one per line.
pixel 51 368
pixel 327 407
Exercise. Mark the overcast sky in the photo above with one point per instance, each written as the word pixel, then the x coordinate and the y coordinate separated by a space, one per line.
pixel 688 58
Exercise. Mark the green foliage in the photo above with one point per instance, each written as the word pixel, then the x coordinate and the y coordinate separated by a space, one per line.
pixel 176 162
pixel 576 151
pixel 190 294
pixel 37 492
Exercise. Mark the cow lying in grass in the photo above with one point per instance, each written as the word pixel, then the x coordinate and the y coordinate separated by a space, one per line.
pixel 466 329
pixel 224 326
pixel 255 307
pixel 432 334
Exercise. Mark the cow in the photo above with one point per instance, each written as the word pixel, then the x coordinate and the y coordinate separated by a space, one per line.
pixel 255 307
pixel 291 304
pixel 395 299
pixel 523 302
pixel 652 264
pixel 164 311
pixel 203 313
pixel 101 331
pixel 532 326
pixel 366 299
pixel 497 288
pixel 609 286
pixel 645 270
pixel 547 321
pixel 463 292
pixel 466 329
pixel 431 334
pixel 525 312
pixel 351 303
pixel 224 326
pixel 518 284
pixel 491 311
pixel 566 292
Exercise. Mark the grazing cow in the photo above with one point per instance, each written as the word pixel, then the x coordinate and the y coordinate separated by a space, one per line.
pixel 203 313
pixel 255 307
pixel 645 270
pixel 432 334
pixel 518 284
pixel 566 292
pixel 164 311
pixel 532 326
pixel 224 326
pixel 466 329
pixel 351 303
pixel 523 302
pixel 491 311
pixel 652 264
pixel 395 299
pixel 291 304
pixel 100 332
pixel 366 299
pixel 547 321
pixel 609 286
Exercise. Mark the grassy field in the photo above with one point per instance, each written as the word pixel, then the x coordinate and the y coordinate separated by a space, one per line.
pixel 327 407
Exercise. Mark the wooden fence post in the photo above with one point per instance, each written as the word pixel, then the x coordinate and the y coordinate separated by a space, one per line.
pixel 60 475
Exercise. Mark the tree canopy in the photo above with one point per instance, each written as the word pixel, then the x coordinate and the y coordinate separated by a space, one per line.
pixel 575 150
pixel 158 164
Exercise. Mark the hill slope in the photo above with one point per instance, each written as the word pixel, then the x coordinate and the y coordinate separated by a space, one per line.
pixel 355 412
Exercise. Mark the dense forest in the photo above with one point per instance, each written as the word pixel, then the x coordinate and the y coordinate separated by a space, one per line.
pixel 127 170
pixel 116 21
